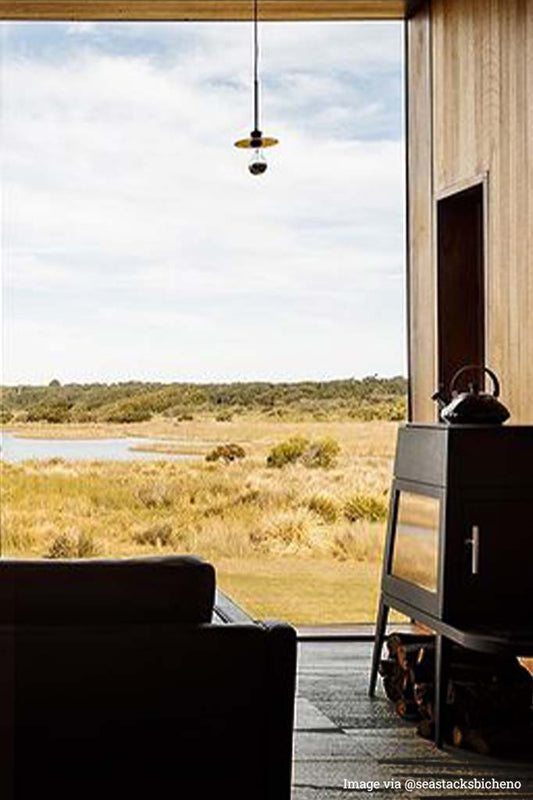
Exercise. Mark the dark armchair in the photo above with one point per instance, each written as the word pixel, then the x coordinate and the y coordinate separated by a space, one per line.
pixel 115 684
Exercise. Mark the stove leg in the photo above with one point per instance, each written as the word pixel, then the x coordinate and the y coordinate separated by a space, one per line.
pixel 442 670
pixel 381 624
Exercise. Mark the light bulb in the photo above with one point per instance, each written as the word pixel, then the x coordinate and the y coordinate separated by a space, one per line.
pixel 258 162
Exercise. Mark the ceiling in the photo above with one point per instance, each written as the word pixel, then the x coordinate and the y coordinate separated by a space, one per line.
pixel 205 9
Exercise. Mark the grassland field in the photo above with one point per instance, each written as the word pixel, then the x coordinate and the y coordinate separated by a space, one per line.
pixel 298 543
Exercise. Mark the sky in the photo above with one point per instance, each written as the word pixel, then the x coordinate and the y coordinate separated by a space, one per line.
pixel 135 243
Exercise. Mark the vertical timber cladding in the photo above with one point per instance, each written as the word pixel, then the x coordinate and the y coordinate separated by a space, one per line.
pixel 421 260
pixel 482 54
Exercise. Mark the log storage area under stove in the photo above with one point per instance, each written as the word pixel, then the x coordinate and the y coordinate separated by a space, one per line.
pixel 458 560
pixel 488 699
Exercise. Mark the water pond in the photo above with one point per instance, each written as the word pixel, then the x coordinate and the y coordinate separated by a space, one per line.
pixel 13 448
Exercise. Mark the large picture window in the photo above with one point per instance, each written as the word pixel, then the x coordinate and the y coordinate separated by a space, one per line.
pixel 196 359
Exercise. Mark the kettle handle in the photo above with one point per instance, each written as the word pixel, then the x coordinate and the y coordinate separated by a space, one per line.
pixel 495 381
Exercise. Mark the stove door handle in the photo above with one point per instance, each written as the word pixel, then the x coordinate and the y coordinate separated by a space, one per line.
pixel 474 543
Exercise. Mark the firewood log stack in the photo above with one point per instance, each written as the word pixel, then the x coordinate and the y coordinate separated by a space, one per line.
pixel 489 698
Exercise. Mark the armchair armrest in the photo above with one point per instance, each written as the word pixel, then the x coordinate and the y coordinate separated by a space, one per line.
pixel 129 710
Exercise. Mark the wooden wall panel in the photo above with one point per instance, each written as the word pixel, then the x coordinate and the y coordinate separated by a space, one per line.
pixel 482 77
pixel 203 9
pixel 493 54
pixel 421 263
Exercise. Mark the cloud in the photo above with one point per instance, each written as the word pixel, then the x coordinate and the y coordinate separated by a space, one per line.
pixel 132 227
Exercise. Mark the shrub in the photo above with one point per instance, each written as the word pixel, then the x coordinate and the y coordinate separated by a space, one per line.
pixel 63 546
pixel 157 535
pixel 321 454
pixel 224 416
pixel 87 547
pixel 5 416
pixel 55 413
pixel 284 530
pixel 363 506
pixel 249 496
pixel 325 507
pixel 399 410
pixel 288 452
pixel 154 495
pixel 276 413
pixel 73 545
pixel 394 410
pixel 78 414
pixel 226 453
pixel 128 412
pixel 312 454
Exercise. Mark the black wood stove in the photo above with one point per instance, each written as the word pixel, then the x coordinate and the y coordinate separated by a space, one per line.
pixel 460 534
pixel 459 544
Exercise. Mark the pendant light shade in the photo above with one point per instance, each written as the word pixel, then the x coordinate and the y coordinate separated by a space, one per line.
pixel 256 141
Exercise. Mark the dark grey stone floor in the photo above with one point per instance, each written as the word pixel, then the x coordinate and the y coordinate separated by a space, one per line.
pixel 343 735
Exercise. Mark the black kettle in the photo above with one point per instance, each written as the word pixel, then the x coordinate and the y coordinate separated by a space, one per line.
pixel 474 407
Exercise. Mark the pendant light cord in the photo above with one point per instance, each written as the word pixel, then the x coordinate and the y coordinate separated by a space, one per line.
pixel 256 62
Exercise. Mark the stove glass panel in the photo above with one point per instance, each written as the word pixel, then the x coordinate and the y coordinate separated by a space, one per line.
pixel 416 543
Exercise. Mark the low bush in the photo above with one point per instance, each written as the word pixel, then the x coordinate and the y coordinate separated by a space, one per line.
pixel 56 413
pixel 157 535
pixel 325 507
pixel 86 546
pixel 281 531
pixel 276 413
pixel 288 452
pixel 226 453
pixel 224 416
pixel 78 414
pixel 63 546
pixel 363 506
pixel 154 495
pixel 73 545
pixel 128 412
pixel 322 454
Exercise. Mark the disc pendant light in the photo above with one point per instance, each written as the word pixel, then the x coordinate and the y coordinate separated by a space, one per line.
pixel 257 142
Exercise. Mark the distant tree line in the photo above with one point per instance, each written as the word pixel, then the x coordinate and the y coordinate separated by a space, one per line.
pixel 367 398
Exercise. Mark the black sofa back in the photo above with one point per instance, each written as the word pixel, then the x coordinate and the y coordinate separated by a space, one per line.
pixel 143 702
pixel 175 589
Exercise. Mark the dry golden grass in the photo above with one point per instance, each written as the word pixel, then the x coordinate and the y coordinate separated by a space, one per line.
pixel 280 538
pixel 255 431
pixel 306 590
